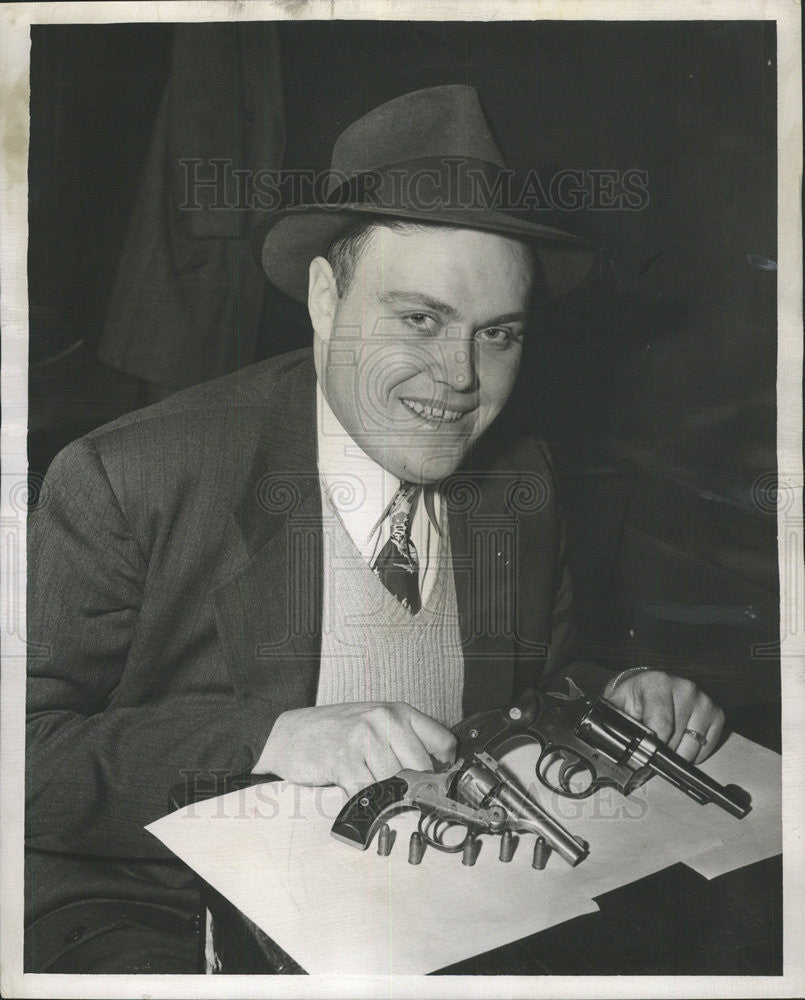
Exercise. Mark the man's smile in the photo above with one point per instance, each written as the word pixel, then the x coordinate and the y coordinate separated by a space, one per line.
pixel 433 411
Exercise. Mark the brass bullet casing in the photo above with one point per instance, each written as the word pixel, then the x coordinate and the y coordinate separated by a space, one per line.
pixel 470 853
pixel 506 846
pixel 416 848
pixel 542 851
pixel 384 841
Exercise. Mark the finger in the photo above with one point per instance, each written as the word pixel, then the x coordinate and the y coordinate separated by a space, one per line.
pixel 435 738
pixel 695 737
pixel 626 697
pixel 690 746
pixel 380 758
pixel 355 778
pixel 410 750
pixel 689 703
pixel 619 698
pixel 657 712
pixel 713 736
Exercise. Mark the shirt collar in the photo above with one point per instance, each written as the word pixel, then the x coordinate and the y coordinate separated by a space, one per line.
pixel 359 489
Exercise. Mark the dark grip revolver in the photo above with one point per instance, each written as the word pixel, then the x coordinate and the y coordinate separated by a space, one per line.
pixel 587 744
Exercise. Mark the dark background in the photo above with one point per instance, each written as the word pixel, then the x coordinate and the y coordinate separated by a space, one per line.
pixel 655 385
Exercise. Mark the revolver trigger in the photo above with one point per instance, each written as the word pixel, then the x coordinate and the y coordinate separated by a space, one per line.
pixel 571 766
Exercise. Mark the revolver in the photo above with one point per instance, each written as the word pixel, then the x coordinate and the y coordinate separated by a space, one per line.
pixel 476 794
pixel 584 745
pixel 587 744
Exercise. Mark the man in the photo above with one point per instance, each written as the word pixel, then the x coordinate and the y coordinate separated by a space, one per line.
pixel 313 567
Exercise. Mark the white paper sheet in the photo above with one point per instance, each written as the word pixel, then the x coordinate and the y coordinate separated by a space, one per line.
pixel 337 909
pixel 756 836
pixel 629 837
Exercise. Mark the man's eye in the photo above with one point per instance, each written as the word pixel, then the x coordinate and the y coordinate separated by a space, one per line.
pixel 422 322
pixel 496 336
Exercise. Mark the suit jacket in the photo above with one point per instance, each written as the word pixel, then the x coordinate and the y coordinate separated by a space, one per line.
pixel 174 579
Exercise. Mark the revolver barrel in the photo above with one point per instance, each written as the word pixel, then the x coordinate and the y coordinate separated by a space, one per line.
pixel 626 741
pixel 481 785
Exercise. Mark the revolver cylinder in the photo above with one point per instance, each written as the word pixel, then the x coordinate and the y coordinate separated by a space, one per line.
pixel 485 784
pixel 630 743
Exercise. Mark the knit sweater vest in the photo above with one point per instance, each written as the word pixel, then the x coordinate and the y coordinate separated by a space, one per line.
pixel 372 648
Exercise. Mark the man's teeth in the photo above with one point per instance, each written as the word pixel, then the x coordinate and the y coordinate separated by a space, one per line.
pixel 433 412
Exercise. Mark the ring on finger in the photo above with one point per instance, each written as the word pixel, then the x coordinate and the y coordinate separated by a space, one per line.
pixel 700 738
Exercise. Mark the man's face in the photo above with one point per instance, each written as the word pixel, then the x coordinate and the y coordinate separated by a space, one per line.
pixel 420 355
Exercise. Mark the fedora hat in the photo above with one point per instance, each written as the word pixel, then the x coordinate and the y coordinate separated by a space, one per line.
pixel 427 156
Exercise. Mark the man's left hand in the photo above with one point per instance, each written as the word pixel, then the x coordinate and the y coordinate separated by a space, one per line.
pixel 670 706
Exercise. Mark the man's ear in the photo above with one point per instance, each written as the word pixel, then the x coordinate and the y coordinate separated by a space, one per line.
pixel 322 297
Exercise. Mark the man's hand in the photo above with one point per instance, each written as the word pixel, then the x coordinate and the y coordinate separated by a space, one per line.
pixel 353 744
pixel 669 705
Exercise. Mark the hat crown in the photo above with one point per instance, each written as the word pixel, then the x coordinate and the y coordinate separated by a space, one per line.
pixel 435 122
pixel 428 155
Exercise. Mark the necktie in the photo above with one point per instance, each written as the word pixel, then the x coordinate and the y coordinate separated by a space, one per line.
pixel 397 564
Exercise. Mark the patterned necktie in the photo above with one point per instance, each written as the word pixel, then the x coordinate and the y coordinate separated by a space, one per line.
pixel 397 564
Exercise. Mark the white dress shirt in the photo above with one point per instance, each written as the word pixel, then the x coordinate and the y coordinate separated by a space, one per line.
pixel 360 491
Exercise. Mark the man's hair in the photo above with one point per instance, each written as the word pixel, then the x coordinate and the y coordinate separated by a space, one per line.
pixel 345 251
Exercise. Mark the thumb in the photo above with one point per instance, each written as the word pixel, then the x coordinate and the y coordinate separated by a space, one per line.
pixel 627 698
pixel 437 740
pixel 648 699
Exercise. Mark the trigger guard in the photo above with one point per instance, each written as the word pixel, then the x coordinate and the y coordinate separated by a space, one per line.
pixel 433 829
pixel 570 760
pixel 572 765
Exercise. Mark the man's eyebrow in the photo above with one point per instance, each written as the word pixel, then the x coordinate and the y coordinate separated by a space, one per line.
pixel 442 307
pixel 420 297
pixel 515 317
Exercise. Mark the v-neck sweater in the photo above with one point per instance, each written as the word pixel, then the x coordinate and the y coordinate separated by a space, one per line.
pixel 374 649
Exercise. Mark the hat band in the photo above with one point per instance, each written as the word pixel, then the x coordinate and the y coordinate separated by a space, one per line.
pixel 426 184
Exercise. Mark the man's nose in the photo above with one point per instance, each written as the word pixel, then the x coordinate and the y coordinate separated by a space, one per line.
pixel 457 364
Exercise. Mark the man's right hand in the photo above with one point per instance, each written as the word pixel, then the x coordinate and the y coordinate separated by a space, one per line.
pixel 353 744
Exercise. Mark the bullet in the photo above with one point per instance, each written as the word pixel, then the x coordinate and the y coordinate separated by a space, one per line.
pixel 384 841
pixel 416 848
pixel 470 852
pixel 506 846
pixel 542 851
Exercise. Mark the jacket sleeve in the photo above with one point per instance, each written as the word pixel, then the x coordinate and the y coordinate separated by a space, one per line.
pixel 96 773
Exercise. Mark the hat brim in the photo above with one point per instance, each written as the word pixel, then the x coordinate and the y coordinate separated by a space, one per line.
pixel 288 241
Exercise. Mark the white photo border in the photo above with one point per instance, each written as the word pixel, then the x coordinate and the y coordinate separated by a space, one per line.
pixel 15 22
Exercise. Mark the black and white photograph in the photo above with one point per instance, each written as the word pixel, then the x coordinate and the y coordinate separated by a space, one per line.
pixel 402 500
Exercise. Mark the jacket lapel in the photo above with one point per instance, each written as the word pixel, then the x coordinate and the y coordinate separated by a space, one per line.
pixel 482 544
pixel 268 611
pixel 503 534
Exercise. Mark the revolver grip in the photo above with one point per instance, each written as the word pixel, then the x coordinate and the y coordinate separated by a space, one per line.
pixel 360 817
